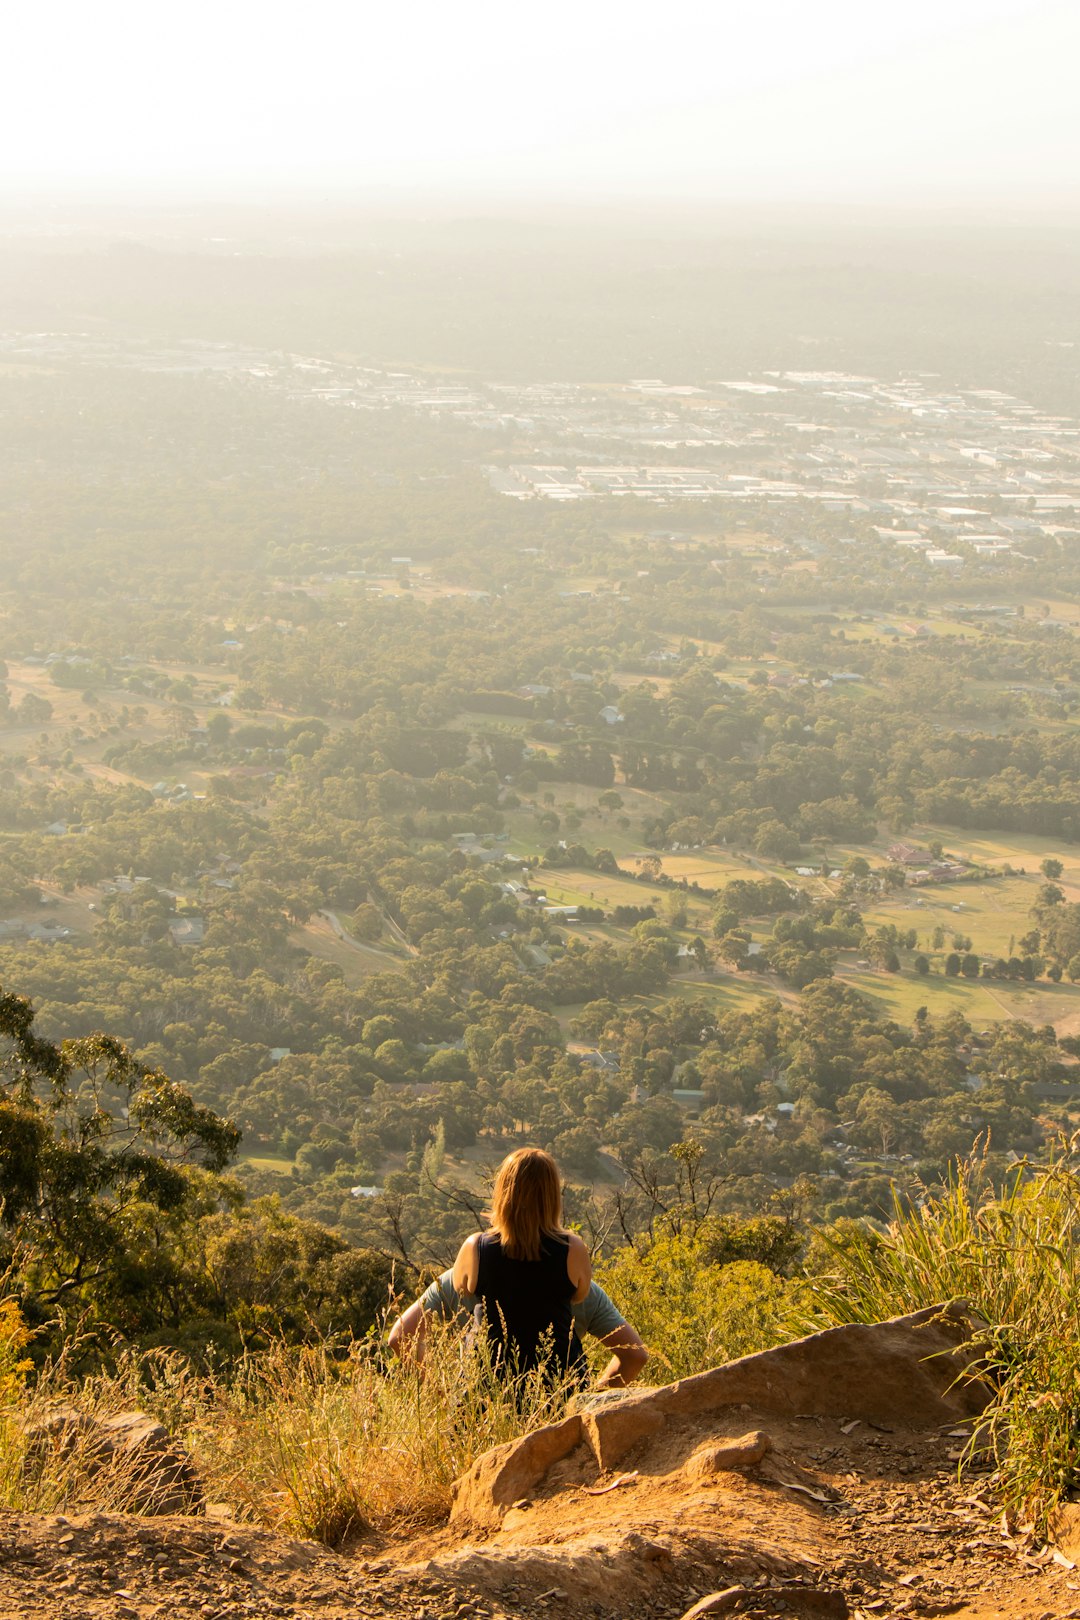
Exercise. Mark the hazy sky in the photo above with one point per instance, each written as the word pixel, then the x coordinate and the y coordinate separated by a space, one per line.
pixel 869 100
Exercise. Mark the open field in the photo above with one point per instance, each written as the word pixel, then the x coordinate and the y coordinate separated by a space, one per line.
pixel 711 867
pixel 569 887
pixel 88 723
pixel 282 1167
pixel 515 725
pixel 572 888
pixel 981 1001
pixel 993 913
pixel 728 992
pixel 598 827
pixel 356 961
pixel 731 992
pixel 1023 851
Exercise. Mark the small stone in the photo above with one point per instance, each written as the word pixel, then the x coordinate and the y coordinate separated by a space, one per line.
pixel 724 1455
pixel 717 1602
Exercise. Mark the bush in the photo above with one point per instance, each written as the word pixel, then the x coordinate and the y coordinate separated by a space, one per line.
pixel 692 1312
pixel 319 1447
pixel 1014 1257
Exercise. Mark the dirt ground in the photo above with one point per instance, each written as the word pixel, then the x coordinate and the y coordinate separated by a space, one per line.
pixel 836 1519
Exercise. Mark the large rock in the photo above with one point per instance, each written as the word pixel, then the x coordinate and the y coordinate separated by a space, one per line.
pixel 509 1472
pixel 1065 1530
pixel 612 1430
pixel 129 1455
pixel 907 1372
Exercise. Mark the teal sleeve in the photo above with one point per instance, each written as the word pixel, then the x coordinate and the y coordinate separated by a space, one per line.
pixel 596 1315
pixel 442 1299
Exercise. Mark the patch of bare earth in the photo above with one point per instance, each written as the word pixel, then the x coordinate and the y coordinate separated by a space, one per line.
pixel 896 1536
pixel 865 1522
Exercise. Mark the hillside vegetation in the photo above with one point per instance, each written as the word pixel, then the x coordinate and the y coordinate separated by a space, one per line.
pixel 399 764
pixel 304 1425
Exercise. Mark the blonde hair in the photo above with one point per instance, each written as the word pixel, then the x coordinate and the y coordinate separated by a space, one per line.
pixel 526 1202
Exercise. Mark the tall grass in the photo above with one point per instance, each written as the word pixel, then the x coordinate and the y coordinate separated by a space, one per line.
pixel 51 1456
pixel 1013 1255
pixel 298 1440
pixel 312 1441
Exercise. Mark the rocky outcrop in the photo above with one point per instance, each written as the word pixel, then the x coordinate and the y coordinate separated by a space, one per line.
pixel 130 1456
pixel 908 1371
pixel 509 1472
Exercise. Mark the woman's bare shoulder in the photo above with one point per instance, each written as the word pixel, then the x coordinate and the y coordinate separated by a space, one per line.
pixel 465 1266
pixel 578 1267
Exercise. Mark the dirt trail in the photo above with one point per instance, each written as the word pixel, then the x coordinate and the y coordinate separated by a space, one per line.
pixel 896 1535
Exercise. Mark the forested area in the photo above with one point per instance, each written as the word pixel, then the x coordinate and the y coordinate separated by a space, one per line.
pixel 398 823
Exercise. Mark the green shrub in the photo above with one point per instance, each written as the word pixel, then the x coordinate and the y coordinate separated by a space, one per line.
pixel 1014 1256
pixel 692 1312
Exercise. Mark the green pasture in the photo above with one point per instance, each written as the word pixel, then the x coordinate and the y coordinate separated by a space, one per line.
pixel 877 632
pixel 900 995
pixel 1024 851
pixel 479 721
pixel 980 1001
pixel 572 887
pixel 990 912
pixel 711 867
pixel 733 992
pixel 941 625
pixel 627 679
pixel 356 960
pixel 597 828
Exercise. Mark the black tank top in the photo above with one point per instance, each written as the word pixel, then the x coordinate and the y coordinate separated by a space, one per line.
pixel 526 1306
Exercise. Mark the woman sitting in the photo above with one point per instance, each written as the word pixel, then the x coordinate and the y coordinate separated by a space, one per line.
pixel 527 1271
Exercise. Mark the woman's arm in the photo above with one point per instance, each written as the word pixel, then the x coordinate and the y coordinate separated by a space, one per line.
pixel 578 1268
pixel 467 1265
pixel 409 1334
pixel 628 1356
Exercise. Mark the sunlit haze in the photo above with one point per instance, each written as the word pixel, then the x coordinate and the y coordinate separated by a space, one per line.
pixel 957 101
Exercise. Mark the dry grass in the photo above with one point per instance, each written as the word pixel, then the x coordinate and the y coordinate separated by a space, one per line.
pixel 307 1443
pixel 317 1441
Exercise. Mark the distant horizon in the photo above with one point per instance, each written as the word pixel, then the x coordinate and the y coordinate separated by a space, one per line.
pixel 472 206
